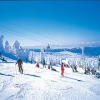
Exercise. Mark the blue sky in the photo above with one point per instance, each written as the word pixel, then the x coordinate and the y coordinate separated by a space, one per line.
pixel 50 22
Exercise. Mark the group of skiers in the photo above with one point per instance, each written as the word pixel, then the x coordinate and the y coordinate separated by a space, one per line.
pixel 73 66
pixel 44 65
pixel 88 70
pixel 20 63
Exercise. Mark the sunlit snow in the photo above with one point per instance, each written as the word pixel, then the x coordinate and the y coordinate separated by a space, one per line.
pixel 45 84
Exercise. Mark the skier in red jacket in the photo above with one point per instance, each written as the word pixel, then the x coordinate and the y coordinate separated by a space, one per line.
pixel 62 69
pixel 37 65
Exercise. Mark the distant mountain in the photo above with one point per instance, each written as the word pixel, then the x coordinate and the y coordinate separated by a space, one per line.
pixel 92 51
pixel 89 51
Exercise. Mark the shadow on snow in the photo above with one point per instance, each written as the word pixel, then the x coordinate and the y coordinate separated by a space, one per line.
pixel 32 75
pixel 75 79
pixel 6 74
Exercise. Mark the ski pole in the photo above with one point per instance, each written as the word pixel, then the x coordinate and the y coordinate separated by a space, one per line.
pixel 15 69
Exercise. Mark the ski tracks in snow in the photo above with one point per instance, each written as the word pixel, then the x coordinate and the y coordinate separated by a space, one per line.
pixel 43 84
pixel 4 86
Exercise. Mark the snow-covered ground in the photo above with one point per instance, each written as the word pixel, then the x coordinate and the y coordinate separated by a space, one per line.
pixel 44 84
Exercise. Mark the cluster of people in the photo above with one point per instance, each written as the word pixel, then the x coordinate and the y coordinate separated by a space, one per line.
pixel 93 70
pixel 90 70
pixel 73 66
pixel 20 63
pixel 44 65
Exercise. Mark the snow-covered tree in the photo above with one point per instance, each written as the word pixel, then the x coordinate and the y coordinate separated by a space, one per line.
pixel 7 47
pixel 16 47
pixel 21 54
pixel 27 52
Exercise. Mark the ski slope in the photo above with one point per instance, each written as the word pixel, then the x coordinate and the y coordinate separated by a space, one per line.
pixel 44 84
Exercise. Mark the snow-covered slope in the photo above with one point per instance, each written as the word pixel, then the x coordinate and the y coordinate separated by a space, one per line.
pixel 44 84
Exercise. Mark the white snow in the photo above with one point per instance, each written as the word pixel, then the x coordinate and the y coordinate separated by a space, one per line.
pixel 45 84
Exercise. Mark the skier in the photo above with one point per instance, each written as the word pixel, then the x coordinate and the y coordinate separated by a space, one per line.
pixel 26 60
pixel 93 71
pixel 44 63
pixel 62 69
pixel 3 60
pixel 74 68
pixel 50 66
pixel 19 62
pixel 87 70
pixel 99 63
pixel 37 65
pixel 31 60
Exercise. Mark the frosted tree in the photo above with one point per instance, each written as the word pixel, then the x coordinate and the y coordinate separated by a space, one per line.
pixel 27 52
pixel 21 54
pixel 42 56
pixel 16 47
pixel 7 47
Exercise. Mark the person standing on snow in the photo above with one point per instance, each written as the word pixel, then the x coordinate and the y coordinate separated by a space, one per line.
pixel 99 63
pixel 74 68
pixel 26 60
pixel 37 65
pixel 62 69
pixel 44 63
pixel 19 62
pixel 50 65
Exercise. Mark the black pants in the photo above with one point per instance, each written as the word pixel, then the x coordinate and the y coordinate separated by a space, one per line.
pixel 20 69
